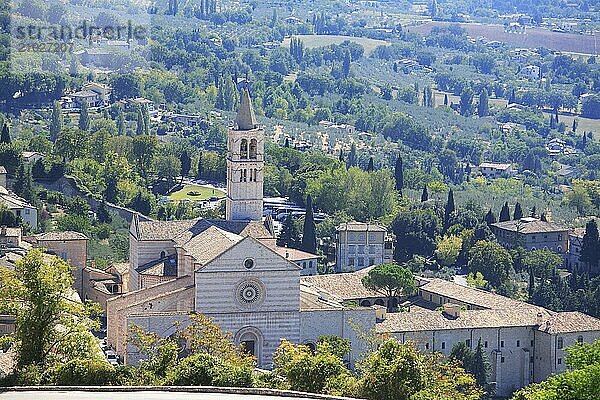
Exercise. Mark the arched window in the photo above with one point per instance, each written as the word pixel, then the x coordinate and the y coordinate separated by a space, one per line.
pixel 365 303
pixel 580 339
pixel 380 302
pixel 253 149
pixel 244 149
pixel 163 254
pixel 559 343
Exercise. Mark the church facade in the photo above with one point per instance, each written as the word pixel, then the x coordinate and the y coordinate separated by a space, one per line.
pixel 232 271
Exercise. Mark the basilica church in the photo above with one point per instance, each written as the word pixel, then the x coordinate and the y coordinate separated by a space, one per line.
pixel 229 270
pixel 233 272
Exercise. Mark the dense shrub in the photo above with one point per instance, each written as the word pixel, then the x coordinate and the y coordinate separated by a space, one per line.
pixel 85 373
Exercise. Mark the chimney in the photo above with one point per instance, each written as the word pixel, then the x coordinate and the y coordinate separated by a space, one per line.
pixel 452 310
pixel 380 314
pixel 539 319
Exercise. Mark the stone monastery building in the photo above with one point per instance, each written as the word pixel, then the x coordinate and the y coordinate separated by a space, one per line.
pixel 233 272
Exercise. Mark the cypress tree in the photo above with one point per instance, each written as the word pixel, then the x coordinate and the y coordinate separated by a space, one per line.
pixel 120 121
pixel 518 212
pixel 309 232
pixel 446 99
pixel 505 213
pixel 424 194
pixel 287 143
pixel 84 117
pixel 23 186
pixel 480 367
pixel 574 125
pixel 341 156
pixel 490 218
pixel 590 248
pixel 483 109
pixel 371 166
pixel 57 123
pixel 186 163
pixel 352 156
pixel 531 286
pixel 200 171
pixel 140 123
pixel 450 208
pixel 399 175
pixel 102 214
pixel 5 136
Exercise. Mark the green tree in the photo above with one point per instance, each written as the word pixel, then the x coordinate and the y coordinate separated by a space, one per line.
pixel 392 279
pixel 424 194
pixel 48 323
pixel 450 208
pixel 84 117
pixel 480 365
pixel 518 214
pixel 57 122
pixel 399 175
pixel 466 102
pixel 483 108
pixel 168 168
pixel 143 149
pixel 309 232
pixel 23 186
pixel 490 218
pixel 186 163
pixel 352 157
pixel 494 262
pixel 505 213
pixel 318 372
pixel 398 371
pixel 5 135
pixel 448 250
pixel 121 128
pixel 590 248
pixel 290 234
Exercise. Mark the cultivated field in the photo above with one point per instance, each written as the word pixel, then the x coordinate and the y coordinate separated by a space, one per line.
pixel 313 41
pixel 583 124
pixel 532 38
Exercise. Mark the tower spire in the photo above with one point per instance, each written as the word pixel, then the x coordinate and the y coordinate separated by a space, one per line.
pixel 245 119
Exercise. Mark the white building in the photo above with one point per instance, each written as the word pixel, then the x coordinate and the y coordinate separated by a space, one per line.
pixel 360 245
pixel 19 206
pixel 495 170
pixel 531 72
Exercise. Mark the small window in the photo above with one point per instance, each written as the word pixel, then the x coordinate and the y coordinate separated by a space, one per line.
pixel 371 237
pixel 430 297
pixel 502 359
pixel 427 346
pixel 502 343
pixel 310 264
pixel 559 343
pixel 361 237
pixel 468 342
pixel 249 263
pixel 518 343
pixel 532 343
pixel 580 339
pixel 304 264
pixel 443 345
pixel 485 344
pixel 559 361
pixel 351 261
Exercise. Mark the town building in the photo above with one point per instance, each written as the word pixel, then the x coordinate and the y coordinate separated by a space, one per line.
pixel 495 170
pixel 100 285
pixel 232 271
pixel 18 206
pixel 360 245
pixel 531 72
pixel 532 234
pixel 575 245
pixel 10 237
pixel 71 247
pixel 30 157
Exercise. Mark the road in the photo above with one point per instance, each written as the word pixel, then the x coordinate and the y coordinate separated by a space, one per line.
pixel 148 395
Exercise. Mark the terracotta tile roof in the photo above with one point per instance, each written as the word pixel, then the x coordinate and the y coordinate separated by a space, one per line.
pixel 209 244
pixel 12 232
pixel 183 231
pixel 470 295
pixel 536 226
pixel 361 227
pixel 311 299
pixel 289 253
pixel 58 236
pixel 422 319
pixel 346 286
pixel 570 322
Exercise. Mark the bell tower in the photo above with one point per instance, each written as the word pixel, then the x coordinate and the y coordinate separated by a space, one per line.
pixel 245 165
